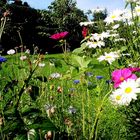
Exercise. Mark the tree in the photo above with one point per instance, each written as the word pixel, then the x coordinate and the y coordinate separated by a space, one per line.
pixel 99 14
pixel 23 20
pixel 67 17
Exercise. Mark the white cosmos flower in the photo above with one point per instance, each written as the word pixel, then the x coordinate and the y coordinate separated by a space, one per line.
pixel 109 57
pixel 10 52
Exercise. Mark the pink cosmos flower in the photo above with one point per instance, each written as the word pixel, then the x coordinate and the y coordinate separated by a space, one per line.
pixel 118 76
pixel 59 36
pixel 134 69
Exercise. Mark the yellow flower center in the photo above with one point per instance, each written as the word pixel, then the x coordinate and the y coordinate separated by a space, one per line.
pixel 128 90
pixel 113 16
pixel 108 57
pixel 122 79
pixel 118 97
pixel 138 10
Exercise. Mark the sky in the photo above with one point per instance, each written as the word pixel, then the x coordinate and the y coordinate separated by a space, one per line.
pixel 82 4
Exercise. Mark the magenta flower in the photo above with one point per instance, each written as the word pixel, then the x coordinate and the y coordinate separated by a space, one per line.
pixel 134 69
pixel 118 76
pixel 59 36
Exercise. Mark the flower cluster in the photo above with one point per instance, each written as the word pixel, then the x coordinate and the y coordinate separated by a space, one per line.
pixel 127 86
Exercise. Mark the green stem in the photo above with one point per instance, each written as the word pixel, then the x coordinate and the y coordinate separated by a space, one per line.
pixel 93 134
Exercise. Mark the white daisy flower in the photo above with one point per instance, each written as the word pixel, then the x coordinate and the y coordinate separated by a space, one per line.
pixel 116 15
pixel 137 10
pixel 10 52
pixel 117 98
pixel 95 44
pixel 129 89
pixel 109 57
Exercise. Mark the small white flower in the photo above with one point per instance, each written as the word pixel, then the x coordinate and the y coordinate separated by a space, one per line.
pixel 119 39
pixel 23 58
pixel 41 64
pixel 72 110
pixel 86 23
pixel 10 52
pixel 55 75
pixel 116 26
pixel 27 51
pixel 95 44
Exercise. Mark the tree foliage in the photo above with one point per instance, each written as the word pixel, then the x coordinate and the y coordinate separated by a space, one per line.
pixel 36 26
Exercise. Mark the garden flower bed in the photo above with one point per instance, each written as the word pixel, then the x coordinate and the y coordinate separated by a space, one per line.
pixel 89 93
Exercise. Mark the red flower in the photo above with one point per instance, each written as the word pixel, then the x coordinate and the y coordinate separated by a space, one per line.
pixel 84 31
pixel 59 36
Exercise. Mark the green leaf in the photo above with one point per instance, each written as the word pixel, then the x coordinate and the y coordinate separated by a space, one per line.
pixel 82 62
pixel 13 127
pixel 20 137
pixel 28 111
pixel 79 50
pixel 44 124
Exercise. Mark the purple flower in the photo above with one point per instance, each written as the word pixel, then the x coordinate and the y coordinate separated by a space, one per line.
pixel 99 77
pixel 2 59
pixel 76 81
